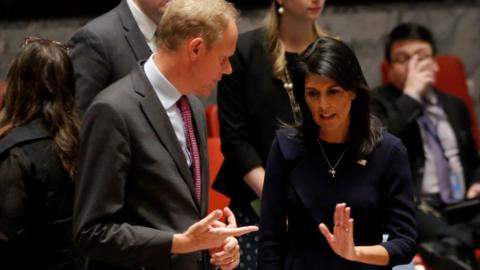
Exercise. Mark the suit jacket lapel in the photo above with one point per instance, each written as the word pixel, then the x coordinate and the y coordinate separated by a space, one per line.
pixel 304 174
pixel 158 118
pixel 309 191
pixel 134 36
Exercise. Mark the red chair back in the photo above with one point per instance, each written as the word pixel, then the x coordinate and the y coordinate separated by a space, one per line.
pixel 213 126
pixel 216 200
pixel 451 79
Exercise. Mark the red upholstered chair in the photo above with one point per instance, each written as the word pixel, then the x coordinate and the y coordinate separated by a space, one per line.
pixel 213 126
pixel 216 200
pixel 450 78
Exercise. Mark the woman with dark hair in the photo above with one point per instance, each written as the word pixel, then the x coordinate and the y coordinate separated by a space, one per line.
pixel 255 99
pixel 38 144
pixel 336 183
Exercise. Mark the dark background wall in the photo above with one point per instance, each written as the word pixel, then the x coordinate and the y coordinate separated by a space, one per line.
pixel 40 9
pixel 37 9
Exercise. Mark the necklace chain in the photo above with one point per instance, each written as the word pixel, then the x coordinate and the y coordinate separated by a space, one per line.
pixel 288 85
pixel 332 170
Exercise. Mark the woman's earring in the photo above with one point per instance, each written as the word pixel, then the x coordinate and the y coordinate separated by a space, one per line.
pixel 280 10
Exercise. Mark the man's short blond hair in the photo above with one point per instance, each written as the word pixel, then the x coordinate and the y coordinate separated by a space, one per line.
pixel 185 19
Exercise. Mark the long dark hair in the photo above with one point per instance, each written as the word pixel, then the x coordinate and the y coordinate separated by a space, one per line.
pixel 334 59
pixel 41 84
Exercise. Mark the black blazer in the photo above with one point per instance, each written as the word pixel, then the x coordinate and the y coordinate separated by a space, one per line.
pixel 134 189
pixel 399 113
pixel 105 50
pixel 299 194
pixel 36 202
pixel 251 105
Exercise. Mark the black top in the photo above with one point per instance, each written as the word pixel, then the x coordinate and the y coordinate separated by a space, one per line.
pixel 252 104
pixel 36 202
pixel 299 194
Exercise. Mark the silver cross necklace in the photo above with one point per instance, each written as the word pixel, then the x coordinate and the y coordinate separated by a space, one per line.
pixel 332 170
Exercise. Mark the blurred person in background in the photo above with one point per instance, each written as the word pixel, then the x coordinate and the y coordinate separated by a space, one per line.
pixel 109 47
pixel 436 130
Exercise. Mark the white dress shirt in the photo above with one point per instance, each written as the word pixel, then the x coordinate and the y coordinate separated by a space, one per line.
pixel 146 25
pixel 168 96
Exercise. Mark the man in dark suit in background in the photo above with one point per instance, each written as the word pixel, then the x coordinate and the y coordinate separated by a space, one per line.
pixel 142 181
pixel 109 47
pixel 436 130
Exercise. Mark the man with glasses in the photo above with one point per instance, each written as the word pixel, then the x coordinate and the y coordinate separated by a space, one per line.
pixel 435 128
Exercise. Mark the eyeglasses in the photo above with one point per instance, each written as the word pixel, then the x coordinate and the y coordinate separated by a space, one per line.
pixel 404 58
pixel 30 39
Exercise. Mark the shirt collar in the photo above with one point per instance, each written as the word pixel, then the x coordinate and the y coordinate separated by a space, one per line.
pixel 166 92
pixel 146 25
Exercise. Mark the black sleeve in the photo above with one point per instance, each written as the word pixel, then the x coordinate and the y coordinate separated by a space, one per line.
pixel 235 131
pixel 14 167
pixel 398 115
pixel 399 207
pixel 273 220
pixel 471 154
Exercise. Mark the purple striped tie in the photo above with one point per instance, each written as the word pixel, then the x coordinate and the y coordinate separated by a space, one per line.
pixel 192 145
pixel 442 167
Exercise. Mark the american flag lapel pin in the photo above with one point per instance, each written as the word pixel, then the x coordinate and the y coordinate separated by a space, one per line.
pixel 362 162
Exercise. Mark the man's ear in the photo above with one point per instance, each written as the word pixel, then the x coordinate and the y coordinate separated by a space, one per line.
pixel 195 47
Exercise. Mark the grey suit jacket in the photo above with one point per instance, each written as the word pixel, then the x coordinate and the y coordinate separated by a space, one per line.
pixel 105 50
pixel 134 189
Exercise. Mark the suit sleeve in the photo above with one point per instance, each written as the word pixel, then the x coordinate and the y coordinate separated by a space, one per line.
pixel 235 131
pixel 273 220
pixel 100 229
pixel 398 206
pixel 91 65
pixel 472 158
pixel 396 116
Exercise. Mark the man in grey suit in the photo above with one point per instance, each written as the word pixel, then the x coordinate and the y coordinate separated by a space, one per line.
pixel 109 47
pixel 137 202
